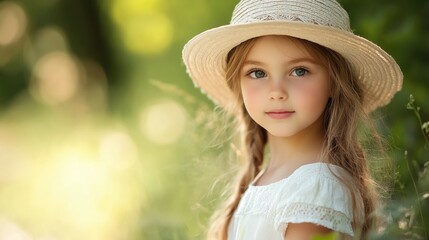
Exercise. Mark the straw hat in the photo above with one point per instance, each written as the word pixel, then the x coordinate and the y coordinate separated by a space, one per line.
pixel 324 22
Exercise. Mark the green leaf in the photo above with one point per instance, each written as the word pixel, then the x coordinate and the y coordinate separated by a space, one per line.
pixel 331 236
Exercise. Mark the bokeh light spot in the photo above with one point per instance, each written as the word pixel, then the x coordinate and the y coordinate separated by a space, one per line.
pixel 149 34
pixel 123 10
pixel 56 78
pixel 118 150
pixel 11 231
pixel 47 40
pixel 13 22
pixel 146 29
pixel 164 122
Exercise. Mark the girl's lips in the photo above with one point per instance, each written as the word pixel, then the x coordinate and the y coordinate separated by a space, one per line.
pixel 279 114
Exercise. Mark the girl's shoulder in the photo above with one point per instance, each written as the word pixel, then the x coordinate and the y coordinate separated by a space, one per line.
pixel 321 171
pixel 314 193
pixel 318 171
pixel 317 183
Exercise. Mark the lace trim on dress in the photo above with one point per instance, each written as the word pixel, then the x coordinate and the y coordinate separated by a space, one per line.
pixel 258 203
pixel 304 212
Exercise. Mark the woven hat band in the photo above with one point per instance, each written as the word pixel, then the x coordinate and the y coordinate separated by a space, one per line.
pixel 318 12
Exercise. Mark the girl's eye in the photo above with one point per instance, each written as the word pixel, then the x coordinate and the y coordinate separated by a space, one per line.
pixel 299 72
pixel 257 74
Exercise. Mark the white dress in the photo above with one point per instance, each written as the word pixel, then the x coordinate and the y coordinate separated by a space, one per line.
pixel 311 194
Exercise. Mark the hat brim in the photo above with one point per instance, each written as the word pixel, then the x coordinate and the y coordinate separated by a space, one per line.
pixel 205 57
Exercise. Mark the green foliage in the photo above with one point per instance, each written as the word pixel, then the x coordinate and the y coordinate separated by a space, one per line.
pixel 424 126
pixel 331 236
pixel 407 211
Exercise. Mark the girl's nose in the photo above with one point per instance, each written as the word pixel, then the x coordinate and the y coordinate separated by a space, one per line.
pixel 278 92
pixel 278 96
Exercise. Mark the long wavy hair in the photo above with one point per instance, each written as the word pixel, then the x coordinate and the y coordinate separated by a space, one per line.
pixel 342 117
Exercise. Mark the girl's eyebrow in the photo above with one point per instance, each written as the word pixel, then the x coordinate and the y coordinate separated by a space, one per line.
pixel 306 59
pixel 252 62
pixel 293 61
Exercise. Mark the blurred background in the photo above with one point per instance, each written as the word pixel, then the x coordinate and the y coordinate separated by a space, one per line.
pixel 103 135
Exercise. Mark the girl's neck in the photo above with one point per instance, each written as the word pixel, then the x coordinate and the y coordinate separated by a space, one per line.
pixel 287 155
pixel 295 151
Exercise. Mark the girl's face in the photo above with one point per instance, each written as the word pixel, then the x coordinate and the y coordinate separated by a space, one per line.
pixel 285 89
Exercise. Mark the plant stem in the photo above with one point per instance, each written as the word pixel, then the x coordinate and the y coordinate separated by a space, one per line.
pixel 421 124
pixel 417 192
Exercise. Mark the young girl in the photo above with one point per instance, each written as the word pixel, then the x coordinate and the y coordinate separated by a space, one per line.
pixel 300 83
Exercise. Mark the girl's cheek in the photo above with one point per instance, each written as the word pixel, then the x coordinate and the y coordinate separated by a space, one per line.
pixel 305 91
pixel 247 94
pixel 310 94
pixel 250 89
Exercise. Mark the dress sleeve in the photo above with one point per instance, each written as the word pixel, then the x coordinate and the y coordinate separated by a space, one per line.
pixel 319 198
